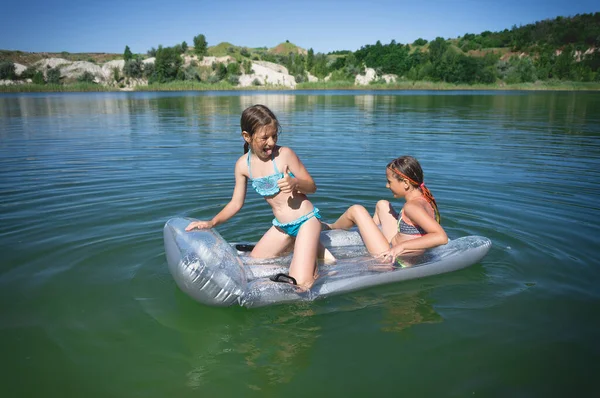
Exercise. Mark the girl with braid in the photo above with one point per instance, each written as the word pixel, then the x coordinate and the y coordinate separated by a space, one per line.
pixel 417 226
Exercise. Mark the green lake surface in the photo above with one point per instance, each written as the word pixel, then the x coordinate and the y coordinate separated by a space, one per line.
pixel 88 307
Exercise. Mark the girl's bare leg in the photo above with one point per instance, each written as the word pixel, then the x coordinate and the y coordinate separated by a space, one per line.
pixel 376 219
pixel 344 222
pixel 304 261
pixel 387 217
pixel 357 215
pixel 273 244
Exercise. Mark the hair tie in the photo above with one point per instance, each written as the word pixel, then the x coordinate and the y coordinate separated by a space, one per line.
pixel 422 185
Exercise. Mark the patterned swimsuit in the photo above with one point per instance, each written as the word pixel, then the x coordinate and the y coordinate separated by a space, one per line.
pixel 408 228
pixel 267 186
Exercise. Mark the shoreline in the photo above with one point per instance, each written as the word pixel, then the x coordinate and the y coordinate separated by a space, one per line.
pixel 321 86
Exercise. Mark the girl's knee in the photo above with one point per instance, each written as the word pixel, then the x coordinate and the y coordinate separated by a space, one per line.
pixel 382 206
pixel 357 209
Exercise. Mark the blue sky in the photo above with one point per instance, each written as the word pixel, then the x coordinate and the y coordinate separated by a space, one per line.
pixel 324 25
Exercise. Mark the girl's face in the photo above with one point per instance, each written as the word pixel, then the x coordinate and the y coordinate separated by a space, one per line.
pixel 263 141
pixel 398 187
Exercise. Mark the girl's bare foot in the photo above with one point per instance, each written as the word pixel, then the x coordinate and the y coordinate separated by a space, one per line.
pixel 328 258
pixel 324 254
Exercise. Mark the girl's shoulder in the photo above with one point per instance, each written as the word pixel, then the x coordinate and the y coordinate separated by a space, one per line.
pixel 243 158
pixel 420 204
pixel 416 204
pixel 241 163
pixel 285 152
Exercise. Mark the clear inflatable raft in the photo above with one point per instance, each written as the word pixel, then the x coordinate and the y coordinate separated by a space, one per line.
pixel 214 272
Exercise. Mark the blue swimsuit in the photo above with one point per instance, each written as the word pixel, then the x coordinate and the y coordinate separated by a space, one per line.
pixel 267 186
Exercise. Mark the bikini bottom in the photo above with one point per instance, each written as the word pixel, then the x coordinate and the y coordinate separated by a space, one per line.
pixel 291 228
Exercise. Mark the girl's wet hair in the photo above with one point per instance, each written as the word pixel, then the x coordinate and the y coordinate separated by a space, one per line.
pixel 408 168
pixel 255 117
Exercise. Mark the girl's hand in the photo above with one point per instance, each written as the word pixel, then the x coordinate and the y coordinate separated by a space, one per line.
pixel 390 255
pixel 287 184
pixel 199 225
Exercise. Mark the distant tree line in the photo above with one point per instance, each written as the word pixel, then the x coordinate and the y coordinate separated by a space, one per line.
pixel 581 31
pixel 564 48
pixel 571 52
pixel 168 65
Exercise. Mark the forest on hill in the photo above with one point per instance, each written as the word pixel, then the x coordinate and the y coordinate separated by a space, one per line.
pixel 560 49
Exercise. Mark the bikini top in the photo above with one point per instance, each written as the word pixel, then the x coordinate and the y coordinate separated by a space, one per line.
pixel 266 186
pixel 407 227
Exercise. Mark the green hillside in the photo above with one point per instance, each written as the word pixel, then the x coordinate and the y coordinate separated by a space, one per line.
pixel 561 49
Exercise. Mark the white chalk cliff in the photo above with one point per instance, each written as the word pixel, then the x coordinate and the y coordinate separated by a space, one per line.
pixel 263 73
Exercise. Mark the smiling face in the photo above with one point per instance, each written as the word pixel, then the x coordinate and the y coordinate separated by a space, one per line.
pixel 263 141
pixel 398 187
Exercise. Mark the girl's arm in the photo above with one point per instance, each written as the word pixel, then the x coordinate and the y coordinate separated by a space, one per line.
pixel 302 181
pixel 435 234
pixel 231 208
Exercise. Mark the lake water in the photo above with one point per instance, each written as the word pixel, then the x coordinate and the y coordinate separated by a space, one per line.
pixel 88 307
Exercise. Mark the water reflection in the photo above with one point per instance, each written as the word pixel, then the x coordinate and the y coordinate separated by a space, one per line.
pixel 274 345
pixel 267 347
pixel 568 109
pixel 270 346
pixel 403 312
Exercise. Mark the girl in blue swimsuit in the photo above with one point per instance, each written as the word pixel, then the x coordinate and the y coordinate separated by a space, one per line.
pixel 277 174
pixel 415 228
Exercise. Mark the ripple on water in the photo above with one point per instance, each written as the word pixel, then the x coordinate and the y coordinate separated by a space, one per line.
pixel 88 181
